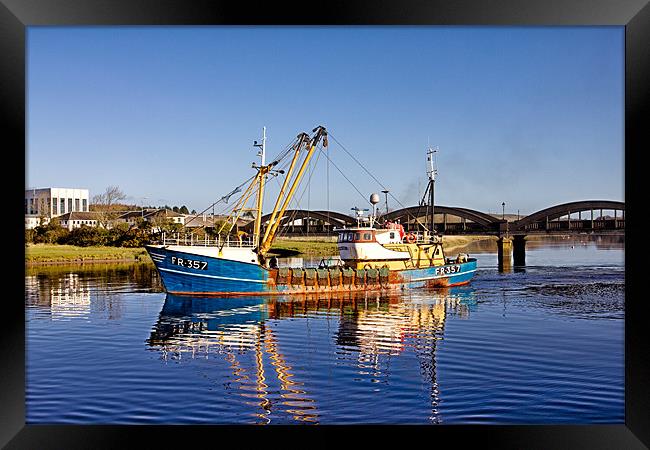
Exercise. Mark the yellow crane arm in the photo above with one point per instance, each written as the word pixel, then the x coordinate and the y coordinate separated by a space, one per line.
pixel 320 132
pixel 303 138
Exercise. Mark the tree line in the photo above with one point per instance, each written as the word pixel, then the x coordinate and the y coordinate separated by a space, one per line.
pixel 139 234
pixel 111 198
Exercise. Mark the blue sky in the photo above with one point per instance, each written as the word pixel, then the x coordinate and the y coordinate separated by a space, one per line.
pixel 529 116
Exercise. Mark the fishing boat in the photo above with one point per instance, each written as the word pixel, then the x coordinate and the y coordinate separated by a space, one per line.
pixel 373 255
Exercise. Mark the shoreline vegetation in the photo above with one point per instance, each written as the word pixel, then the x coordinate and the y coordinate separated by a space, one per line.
pixel 45 254
pixel 58 254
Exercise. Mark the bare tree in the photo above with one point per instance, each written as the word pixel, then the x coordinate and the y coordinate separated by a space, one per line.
pixel 105 203
pixel 110 197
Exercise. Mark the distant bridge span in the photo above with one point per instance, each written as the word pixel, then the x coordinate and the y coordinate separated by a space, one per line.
pixel 558 219
pixel 411 214
pixel 548 220
pixel 324 220
pixel 541 220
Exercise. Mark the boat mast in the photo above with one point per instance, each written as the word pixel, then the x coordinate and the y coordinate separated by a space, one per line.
pixel 431 172
pixel 263 170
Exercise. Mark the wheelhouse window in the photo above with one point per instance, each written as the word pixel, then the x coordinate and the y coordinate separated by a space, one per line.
pixel 356 237
pixel 346 237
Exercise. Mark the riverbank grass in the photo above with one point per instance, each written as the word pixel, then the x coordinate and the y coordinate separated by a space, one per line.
pixel 293 247
pixel 40 253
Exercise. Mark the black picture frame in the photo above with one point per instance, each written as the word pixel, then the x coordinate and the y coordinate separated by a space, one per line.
pixel 634 15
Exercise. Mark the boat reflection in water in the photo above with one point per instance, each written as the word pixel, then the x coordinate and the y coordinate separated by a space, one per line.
pixel 285 357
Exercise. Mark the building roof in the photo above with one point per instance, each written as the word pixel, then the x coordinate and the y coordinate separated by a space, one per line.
pixel 149 213
pixel 131 214
pixel 209 221
pixel 202 220
pixel 79 215
pixel 50 188
pixel 168 213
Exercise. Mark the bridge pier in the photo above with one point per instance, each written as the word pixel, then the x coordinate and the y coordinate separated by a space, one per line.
pixel 504 253
pixel 519 250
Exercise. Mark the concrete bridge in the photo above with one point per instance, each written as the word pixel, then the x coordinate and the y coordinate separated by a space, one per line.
pixel 580 217
pixel 576 217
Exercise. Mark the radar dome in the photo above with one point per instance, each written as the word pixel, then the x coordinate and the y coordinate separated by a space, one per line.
pixel 374 198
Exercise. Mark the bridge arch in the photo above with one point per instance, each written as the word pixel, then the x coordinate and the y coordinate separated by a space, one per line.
pixel 479 222
pixel 482 221
pixel 555 212
pixel 335 219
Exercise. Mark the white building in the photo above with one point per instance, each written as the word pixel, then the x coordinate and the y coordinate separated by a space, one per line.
pixel 73 220
pixel 53 202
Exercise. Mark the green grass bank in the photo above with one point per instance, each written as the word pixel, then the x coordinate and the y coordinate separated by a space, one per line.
pixel 55 253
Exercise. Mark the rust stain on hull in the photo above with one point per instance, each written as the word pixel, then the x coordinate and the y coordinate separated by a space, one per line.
pixel 298 282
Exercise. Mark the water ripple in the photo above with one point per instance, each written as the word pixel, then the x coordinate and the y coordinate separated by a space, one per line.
pixel 540 345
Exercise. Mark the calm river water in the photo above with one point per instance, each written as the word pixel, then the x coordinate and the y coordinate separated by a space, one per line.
pixel 542 344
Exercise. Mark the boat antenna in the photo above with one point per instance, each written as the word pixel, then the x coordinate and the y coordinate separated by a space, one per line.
pixel 263 170
pixel 262 152
pixel 431 173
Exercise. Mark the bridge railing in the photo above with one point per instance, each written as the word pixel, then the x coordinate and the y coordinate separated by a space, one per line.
pixel 585 224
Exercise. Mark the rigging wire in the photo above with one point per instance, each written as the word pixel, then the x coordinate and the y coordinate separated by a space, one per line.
pixel 374 178
pixel 282 162
pixel 293 199
pixel 225 198
pixel 366 170
pixel 312 167
pixel 280 157
pixel 297 201
pixel 328 192
pixel 348 180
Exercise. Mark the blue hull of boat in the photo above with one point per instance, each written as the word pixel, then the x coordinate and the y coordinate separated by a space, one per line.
pixel 216 276
pixel 440 276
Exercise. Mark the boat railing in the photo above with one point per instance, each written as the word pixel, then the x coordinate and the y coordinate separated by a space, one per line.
pixel 191 239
